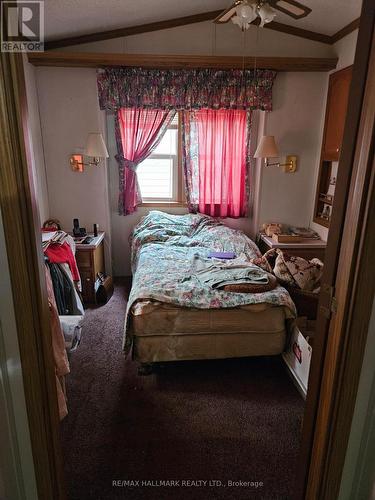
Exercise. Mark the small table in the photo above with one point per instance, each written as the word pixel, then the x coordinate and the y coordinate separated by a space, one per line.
pixel 308 249
pixel 90 262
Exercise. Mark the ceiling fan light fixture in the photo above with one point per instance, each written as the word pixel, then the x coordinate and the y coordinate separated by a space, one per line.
pixel 241 22
pixel 245 15
pixel 266 14
pixel 246 11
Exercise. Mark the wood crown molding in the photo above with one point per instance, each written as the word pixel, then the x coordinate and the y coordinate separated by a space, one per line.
pixel 100 60
pixel 131 30
pixel 295 31
pixel 345 31
pixel 196 18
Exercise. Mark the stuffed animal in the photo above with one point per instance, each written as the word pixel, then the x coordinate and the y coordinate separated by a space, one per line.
pixel 272 228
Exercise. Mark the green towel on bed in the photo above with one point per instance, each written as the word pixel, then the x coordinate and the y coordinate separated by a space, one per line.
pixel 217 274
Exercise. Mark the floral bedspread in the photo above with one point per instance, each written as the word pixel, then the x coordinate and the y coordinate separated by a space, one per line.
pixel 163 247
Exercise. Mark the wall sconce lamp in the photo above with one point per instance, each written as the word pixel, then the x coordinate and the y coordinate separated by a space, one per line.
pixel 267 148
pixel 95 150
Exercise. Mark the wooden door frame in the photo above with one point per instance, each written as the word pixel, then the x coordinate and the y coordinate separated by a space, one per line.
pixel 27 274
pixel 338 345
pixel 329 413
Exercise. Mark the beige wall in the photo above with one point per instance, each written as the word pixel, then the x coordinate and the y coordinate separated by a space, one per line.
pixel 36 142
pixel 298 102
pixel 345 50
pixel 69 110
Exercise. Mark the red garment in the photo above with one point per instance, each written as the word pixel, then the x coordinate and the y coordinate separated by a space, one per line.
pixel 58 347
pixel 58 254
pixel 222 162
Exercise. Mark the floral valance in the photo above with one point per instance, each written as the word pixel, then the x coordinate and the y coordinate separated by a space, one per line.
pixel 185 89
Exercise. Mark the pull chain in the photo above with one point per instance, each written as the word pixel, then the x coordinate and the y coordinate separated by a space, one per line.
pixel 255 65
pixel 213 45
pixel 243 49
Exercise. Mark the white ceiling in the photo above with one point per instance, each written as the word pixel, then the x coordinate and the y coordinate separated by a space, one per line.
pixel 64 18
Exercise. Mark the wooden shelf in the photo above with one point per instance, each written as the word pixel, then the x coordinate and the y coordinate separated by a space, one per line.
pixel 321 221
pixel 337 99
pixel 327 202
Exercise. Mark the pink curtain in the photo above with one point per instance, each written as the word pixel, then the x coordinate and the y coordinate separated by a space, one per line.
pixel 138 132
pixel 222 162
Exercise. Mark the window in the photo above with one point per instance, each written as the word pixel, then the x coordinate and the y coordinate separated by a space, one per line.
pixel 159 176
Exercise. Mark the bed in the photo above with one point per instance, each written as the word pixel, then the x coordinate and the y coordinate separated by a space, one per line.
pixel 171 316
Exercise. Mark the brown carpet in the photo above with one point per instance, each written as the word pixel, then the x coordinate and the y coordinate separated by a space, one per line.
pixel 232 420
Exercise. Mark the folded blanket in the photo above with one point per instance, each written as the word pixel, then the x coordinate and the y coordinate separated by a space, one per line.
pixel 217 274
pixel 250 288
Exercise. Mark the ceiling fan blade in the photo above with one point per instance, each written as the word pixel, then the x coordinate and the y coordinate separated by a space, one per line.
pixel 291 7
pixel 226 14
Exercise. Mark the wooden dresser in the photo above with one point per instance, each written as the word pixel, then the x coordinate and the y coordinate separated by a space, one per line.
pixel 90 261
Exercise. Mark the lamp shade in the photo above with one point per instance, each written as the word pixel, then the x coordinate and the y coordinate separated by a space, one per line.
pixel 95 146
pixel 267 148
pixel 266 14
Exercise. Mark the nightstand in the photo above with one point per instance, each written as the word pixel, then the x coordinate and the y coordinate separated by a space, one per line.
pixel 90 262
pixel 308 249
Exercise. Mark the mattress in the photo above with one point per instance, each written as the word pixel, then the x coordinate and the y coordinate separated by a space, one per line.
pixel 164 332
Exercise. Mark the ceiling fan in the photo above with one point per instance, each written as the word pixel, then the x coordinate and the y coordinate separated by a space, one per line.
pixel 244 12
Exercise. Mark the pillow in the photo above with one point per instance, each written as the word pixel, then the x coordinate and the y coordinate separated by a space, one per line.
pixel 267 261
pixel 298 272
pixel 282 272
pixel 251 288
